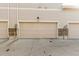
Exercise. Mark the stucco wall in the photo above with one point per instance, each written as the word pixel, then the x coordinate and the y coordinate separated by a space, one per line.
pixel 9 12
pixel 70 16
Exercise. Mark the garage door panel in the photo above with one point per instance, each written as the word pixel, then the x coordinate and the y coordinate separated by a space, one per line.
pixel 3 29
pixel 38 30
pixel 74 30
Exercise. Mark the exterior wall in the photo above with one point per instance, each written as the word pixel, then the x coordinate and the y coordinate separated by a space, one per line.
pixel 12 15
pixel 9 12
pixel 29 12
pixel 33 5
pixel 3 12
pixel 41 5
pixel 70 16
pixel 43 15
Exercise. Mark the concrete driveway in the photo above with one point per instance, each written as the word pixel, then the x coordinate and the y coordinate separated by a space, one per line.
pixel 41 47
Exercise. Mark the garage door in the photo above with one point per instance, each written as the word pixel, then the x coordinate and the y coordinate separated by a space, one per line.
pixel 73 30
pixel 3 29
pixel 38 30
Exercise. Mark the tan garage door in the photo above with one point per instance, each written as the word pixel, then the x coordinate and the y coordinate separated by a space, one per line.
pixel 3 29
pixel 38 30
pixel 73 30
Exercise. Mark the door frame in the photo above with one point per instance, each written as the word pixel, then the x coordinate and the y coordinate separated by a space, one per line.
pixel 18 31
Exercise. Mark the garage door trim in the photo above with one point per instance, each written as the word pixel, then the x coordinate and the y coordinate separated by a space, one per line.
pixel 39 22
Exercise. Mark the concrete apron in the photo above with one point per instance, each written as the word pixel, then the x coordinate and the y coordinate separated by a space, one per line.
pixel 8 43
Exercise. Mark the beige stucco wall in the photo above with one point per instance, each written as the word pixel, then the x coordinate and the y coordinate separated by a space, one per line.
pixel 9 12
pixel 70 16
